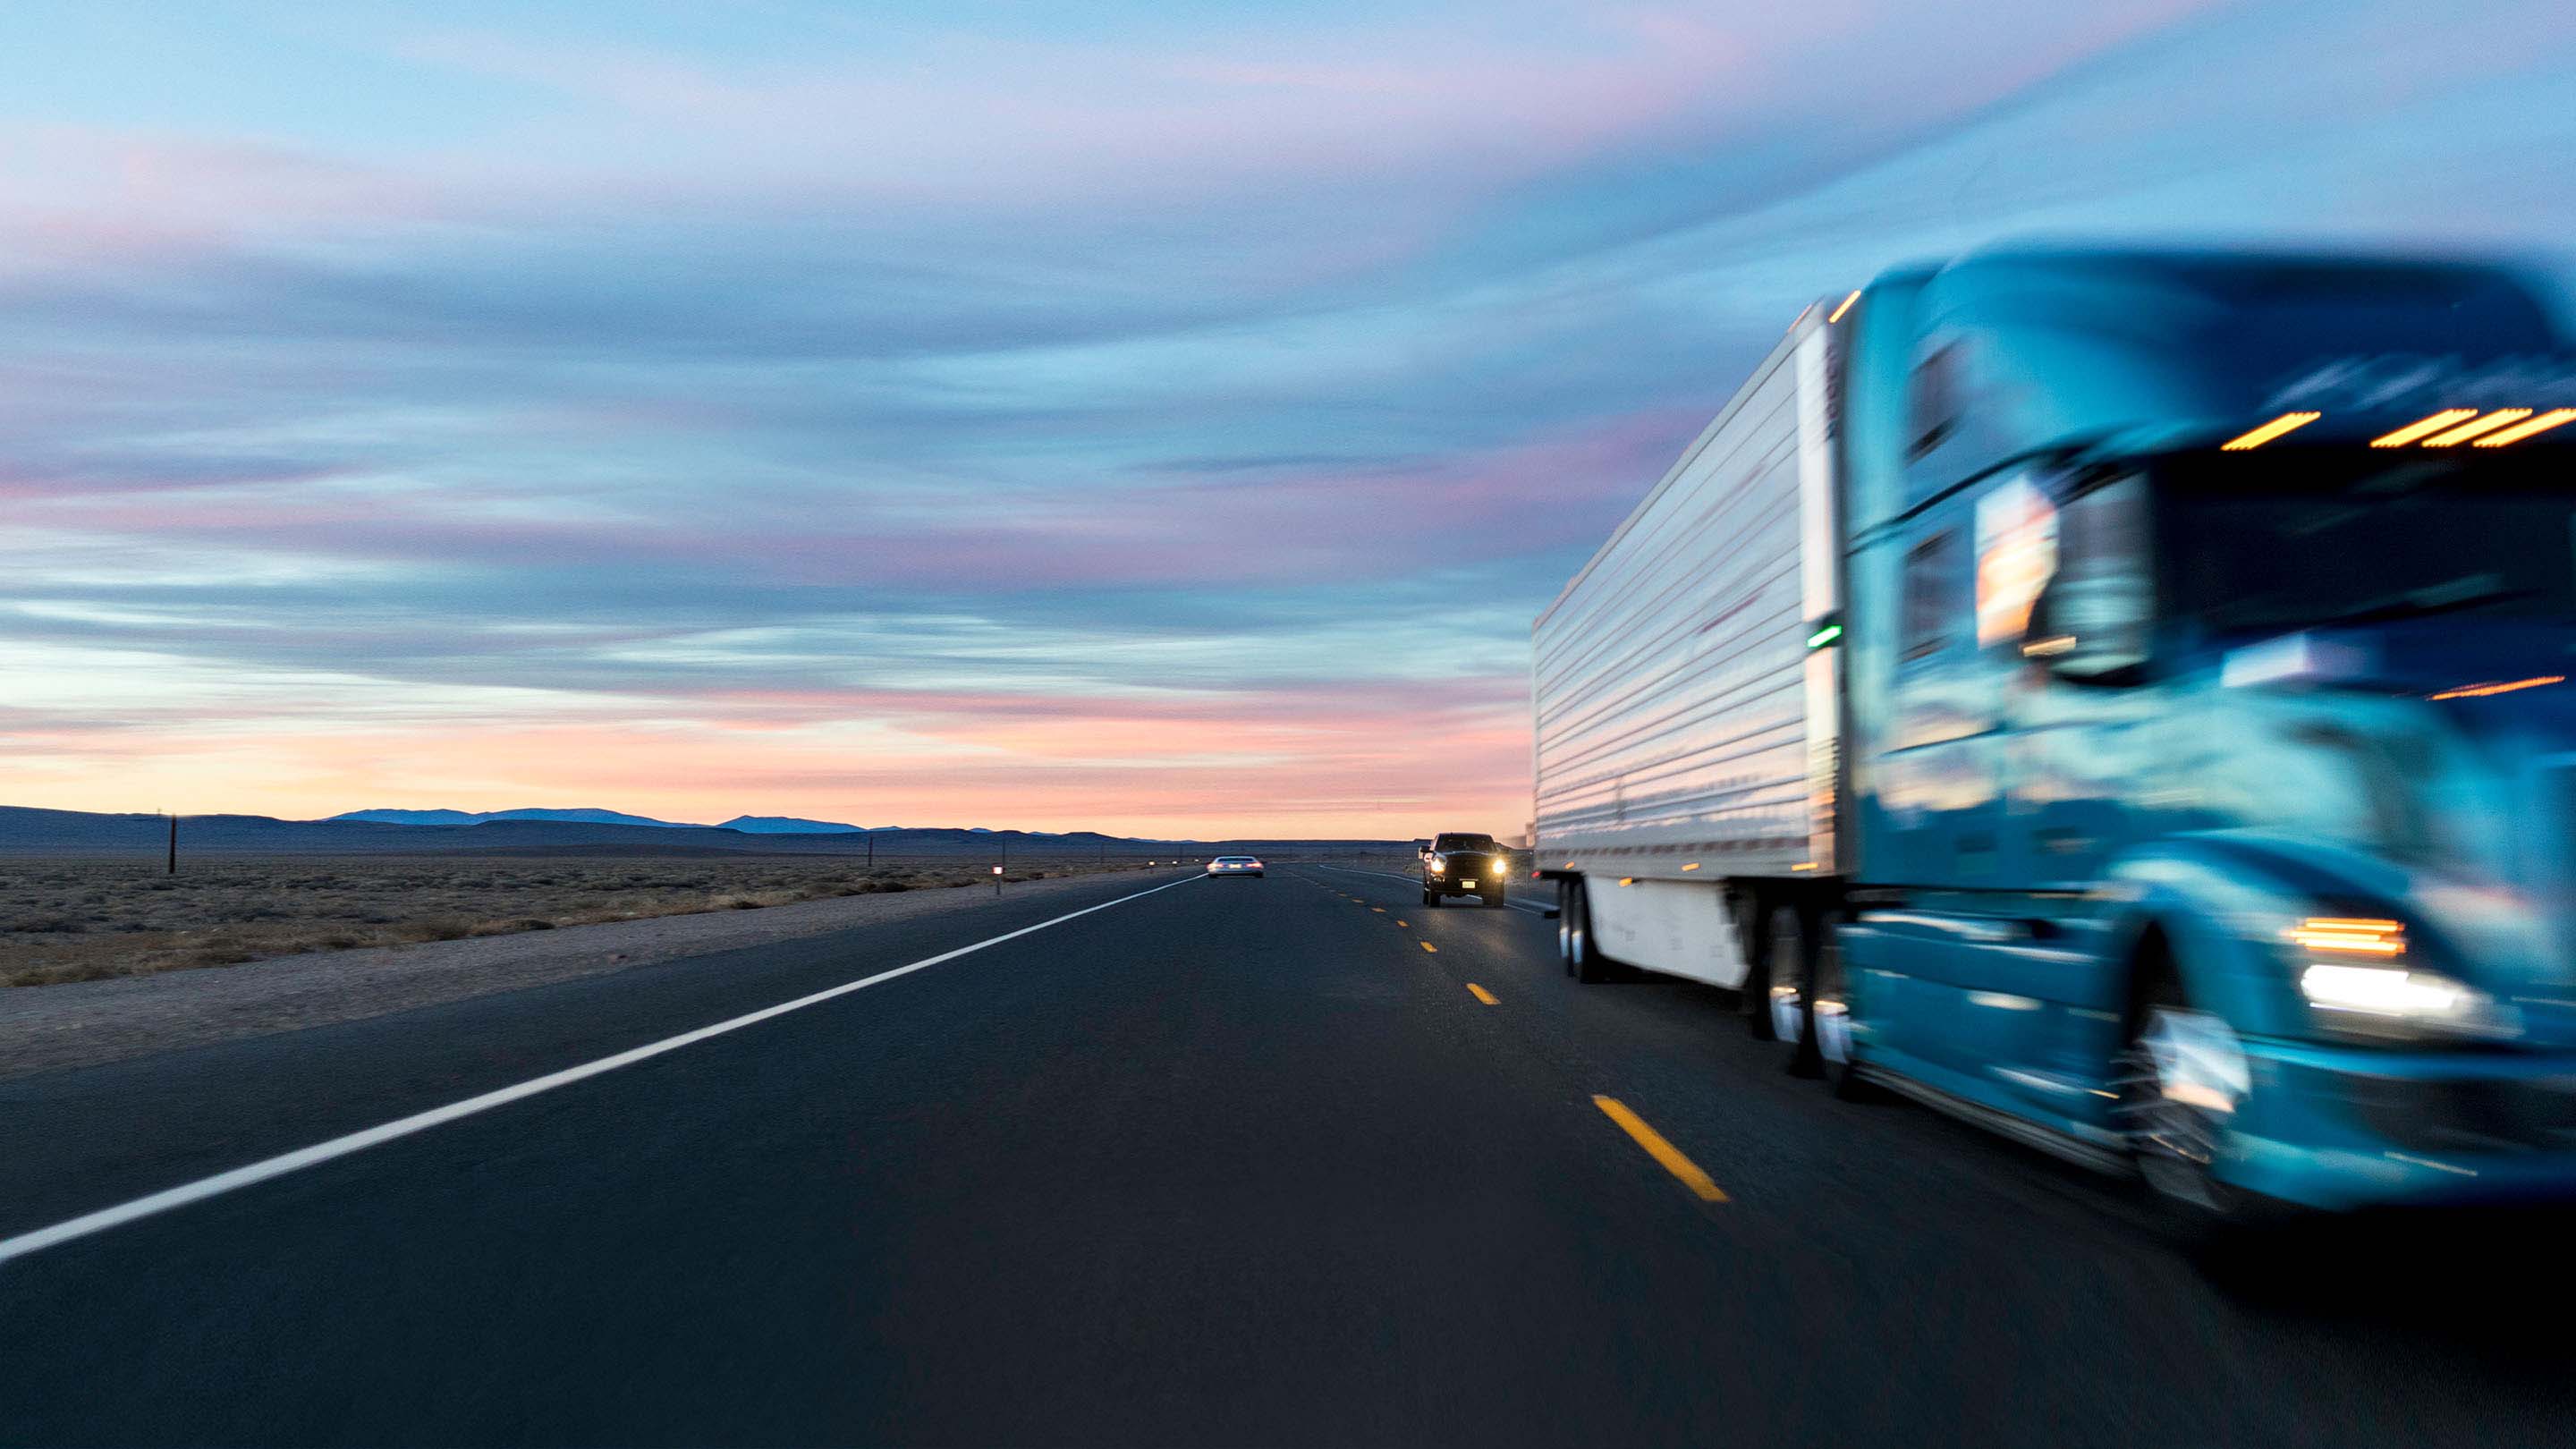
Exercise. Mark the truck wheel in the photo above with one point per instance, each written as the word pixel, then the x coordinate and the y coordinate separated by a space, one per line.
pixel 2178 1083
pixel 1430 897
pixel 1832 1014
pixel 1792 1003
pixel 1494 897
pixel 1753 999
pixel 1590 967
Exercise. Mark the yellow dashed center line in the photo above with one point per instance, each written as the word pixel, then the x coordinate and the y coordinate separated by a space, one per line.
pixel 1481 994
pixel 1663 1152
pixel 1404 923
pixel 1381 910
pixel 1427 946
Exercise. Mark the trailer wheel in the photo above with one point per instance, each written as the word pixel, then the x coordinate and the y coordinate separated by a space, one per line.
pixel 1590 966
pixel 1754 997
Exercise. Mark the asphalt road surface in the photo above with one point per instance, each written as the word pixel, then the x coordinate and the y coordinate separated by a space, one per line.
pixel 1288 1161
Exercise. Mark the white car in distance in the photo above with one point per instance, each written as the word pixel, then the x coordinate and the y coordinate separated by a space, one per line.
pixel 1235 865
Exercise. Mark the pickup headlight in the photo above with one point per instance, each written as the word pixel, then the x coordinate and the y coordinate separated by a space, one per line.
pixel 1439 867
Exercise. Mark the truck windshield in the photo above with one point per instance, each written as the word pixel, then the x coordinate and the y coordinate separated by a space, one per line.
pixel 1465 842
pixel 2311 546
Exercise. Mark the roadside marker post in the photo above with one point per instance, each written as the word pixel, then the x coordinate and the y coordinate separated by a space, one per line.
pixel 997 881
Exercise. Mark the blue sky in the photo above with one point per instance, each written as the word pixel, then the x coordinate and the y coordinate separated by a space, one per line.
pixel 1041 415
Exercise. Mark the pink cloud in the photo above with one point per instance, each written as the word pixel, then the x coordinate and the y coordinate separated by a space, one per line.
pixel 1373 774
pixel 92 194
pixel 1291 529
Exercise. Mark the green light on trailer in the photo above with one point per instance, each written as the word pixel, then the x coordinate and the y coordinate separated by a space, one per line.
pixel 1824 636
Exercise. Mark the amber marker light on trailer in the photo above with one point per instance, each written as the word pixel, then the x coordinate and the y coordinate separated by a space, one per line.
pixel 1845 307
pixel 2519 431
pixel 2423 428
pixel 2477 427
pixel 2285 423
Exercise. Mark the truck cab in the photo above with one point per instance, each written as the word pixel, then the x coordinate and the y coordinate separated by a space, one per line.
pixel 2209 715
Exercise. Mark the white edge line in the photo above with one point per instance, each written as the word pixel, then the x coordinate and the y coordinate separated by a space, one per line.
pixel 1411 881
pixel 100 1221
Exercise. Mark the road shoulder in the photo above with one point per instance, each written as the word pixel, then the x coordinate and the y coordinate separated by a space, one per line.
pixel 87 1023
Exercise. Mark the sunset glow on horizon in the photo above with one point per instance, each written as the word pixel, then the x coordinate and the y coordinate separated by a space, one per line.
pixel 940 416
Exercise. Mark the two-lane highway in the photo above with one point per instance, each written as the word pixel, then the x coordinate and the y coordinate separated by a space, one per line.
pixel 1239 1161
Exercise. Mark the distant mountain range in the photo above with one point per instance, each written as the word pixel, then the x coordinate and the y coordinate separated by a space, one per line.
pixel 586 816
pixel 593 815
pixel 790 825
pixel 27 831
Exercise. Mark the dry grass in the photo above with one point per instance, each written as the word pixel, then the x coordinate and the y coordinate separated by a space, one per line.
pixel 83 920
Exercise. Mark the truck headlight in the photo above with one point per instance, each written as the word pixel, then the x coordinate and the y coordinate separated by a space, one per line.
pixel 2399 1001
pixel 1439 867
pixel 2383 991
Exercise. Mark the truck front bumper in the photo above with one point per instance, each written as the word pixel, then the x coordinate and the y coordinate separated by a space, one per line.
pixel 2347 1127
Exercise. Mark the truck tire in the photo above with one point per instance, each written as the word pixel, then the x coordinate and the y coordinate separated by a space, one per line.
pixel 1791 1004
pixel 1754 998
pixel 1494 897
pixel 2171 1137
pixel 2173 1140
pixel 1589 966
pixel 1833 986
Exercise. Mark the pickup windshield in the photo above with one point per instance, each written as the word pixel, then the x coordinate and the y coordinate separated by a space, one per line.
pixel 1448 843
pixel 2372 541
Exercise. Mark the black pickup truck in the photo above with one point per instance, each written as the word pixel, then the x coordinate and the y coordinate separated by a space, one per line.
pixel 1459 864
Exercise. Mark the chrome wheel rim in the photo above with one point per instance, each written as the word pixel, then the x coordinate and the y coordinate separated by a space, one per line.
pixel 2180 1085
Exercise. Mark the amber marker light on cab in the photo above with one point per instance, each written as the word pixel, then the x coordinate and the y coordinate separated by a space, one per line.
pixel 2423 428
pixel 1845 307
pixel 2477 428
pixel 2351 936
pixel 2285 423
pixel 2519 431
pixel 2481 691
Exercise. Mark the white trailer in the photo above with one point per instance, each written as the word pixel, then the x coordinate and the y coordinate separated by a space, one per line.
pixel 1687 730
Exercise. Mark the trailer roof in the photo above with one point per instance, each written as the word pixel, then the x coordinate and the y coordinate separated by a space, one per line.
pixel 1807 321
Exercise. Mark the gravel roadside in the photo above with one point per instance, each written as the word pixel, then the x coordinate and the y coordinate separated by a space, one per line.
pixel 45 1028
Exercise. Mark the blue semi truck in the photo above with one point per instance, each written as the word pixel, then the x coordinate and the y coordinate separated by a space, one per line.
pixel 2122 698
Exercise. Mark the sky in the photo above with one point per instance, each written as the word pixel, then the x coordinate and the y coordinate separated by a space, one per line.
pixel 1164 420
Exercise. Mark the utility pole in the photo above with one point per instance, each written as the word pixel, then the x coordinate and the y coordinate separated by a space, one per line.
pixel 872 850
pixel 174 846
